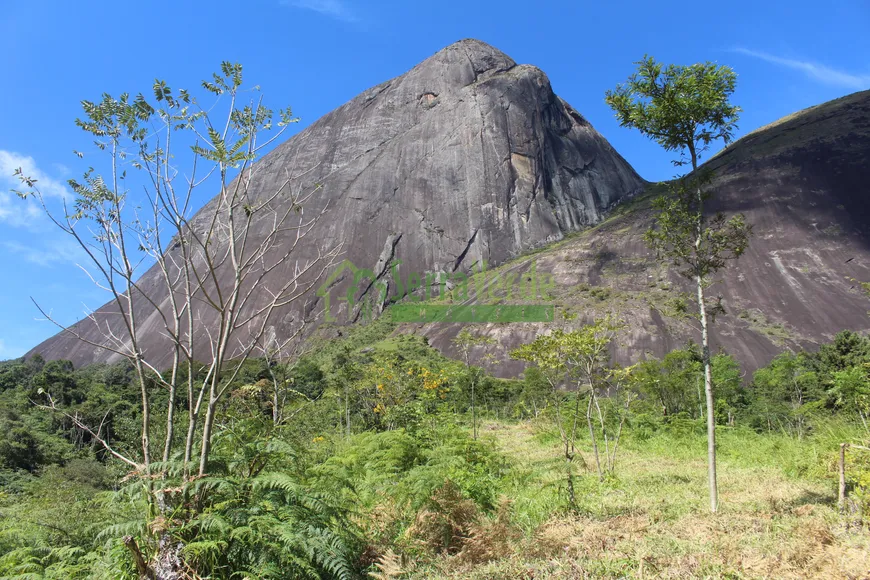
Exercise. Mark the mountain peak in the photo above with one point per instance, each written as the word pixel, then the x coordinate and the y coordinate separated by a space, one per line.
pixel 477 48
pixel 467 159
pixel 465 62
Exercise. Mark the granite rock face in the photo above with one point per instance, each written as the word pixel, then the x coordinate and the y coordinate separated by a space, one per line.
pixel 803 182
pixel 466 158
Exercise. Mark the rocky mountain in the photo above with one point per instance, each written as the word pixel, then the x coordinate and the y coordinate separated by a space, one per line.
pixel 465 159
pixel 803 182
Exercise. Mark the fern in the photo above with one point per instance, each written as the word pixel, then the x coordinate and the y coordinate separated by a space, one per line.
pixel 269 526
pixel 390 565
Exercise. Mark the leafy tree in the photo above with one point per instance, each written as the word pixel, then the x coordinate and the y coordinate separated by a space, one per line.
pixel 848 349
pixel 346 370
pixel 56 378
pixel 851 390
pixel 673 381
pixel 465 341
pixel 14 374
pixel 685 109
pixel 580 359
pixel 730 394
pixel 536 390
pixel 307 378
pixel 782 391
pixel 396 393
pixel 19 448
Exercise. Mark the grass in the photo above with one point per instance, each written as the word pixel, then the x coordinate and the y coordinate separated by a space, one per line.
pixel 757 321
pixel 328 340
pixel 777 517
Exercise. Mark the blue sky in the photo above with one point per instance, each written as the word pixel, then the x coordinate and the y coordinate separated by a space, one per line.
pixel 317 54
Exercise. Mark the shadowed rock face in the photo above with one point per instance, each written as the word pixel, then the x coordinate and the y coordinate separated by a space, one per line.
pixel 802 182
pixel 466 158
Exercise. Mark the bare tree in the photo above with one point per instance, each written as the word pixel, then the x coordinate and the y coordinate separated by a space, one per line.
pixel 214 268
pixel 280 363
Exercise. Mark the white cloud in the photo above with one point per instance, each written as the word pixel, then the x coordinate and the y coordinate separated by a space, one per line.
pixel 60 168
pixel 65 252
pixel 10 161
pixel 18 213
pixel 818 72
pixel 14 211
pixel 333 8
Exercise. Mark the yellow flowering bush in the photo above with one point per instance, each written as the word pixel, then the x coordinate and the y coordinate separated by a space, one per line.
pixel 398 393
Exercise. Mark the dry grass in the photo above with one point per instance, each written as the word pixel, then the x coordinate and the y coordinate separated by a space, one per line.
pixel 490 540
pixel 446 522
pixel 651 522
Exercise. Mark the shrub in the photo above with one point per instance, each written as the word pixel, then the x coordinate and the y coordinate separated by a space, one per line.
pixel 444 523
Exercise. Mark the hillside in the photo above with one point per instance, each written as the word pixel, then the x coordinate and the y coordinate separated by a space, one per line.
pixel 802 182
pixel 468 157
pixel 408 492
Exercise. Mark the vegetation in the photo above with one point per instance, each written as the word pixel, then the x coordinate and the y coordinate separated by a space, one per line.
pixel 465 341
pixel 171 146
pixel 685 109
pixel 579 359
pixel 411 493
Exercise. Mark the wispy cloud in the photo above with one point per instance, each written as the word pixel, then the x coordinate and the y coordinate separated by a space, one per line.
pixel 10 161
pixel 44 253
pixel 819 72
pixel 337 9
pixel 19 213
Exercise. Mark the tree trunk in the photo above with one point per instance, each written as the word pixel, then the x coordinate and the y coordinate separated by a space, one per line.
pixel 708 390
pixel 146 417
pixel 170 425
pixel 347 409
pixel 603 433
pixel 705 352
pixel 167 562
pixel 612 460
pixel 170 410
pixel 594 441
pixel 569 466
pixel 189 439
pixel 841 489
pixel 206 435
pixel 275 414
pixel 473 412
